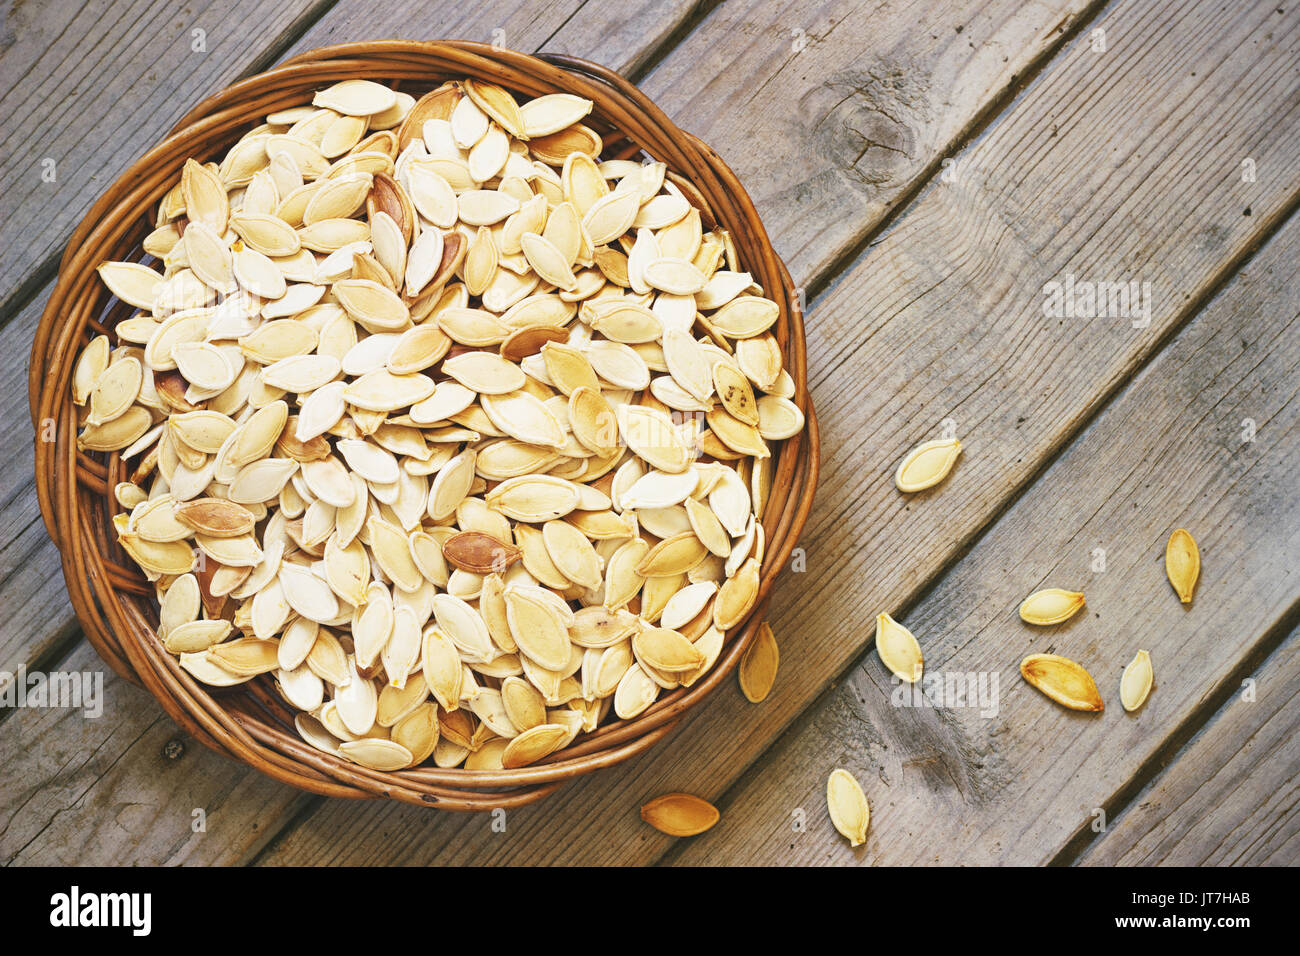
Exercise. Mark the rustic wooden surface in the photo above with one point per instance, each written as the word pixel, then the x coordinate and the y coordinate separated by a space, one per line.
pixel 924 174
pixel 1228 798
pixel 941 780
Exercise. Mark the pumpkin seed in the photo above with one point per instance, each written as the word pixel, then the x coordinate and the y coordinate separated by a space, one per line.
pixel 1050 606
pixel 927 464
pixel 377 753
pixel 848 806
pixel 737 596
pixel 679 814
pixel 246 656
pixel 1183 564
pixel 635 692
pixel 898 649
pixel 194 636
pixel 533 745
pixel 758 666
pixel 418 732
pixel 200 666
pixel 356 98
pixel 1063 680
pixel 1136 683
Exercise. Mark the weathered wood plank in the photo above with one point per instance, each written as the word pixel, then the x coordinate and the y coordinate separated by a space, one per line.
pixel 89 86
pixel 831 111
pixel 31 579
pixel 1229 797
pixel 952 784
pixel 125 786
pixel 943 319
pixel 32 591
pixel 619 35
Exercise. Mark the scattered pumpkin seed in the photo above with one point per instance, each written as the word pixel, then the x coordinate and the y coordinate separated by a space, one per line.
pixel 679 814
pixel 1050 606
pixel 927 464
pixel 849 810
pixel 1183 564
pixel 898 649
pixel 1136 683
pixel 1063 680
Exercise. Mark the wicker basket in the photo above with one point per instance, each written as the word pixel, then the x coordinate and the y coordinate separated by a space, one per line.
pixel 113 601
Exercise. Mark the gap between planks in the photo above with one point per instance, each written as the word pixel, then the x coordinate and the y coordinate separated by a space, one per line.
pixel 1233 784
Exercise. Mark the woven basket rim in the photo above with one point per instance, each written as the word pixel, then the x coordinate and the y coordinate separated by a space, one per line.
pixel 75 489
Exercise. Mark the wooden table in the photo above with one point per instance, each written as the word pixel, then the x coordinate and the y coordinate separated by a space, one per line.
pixel 927 170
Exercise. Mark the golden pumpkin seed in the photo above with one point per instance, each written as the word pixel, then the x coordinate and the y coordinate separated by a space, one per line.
pixel 533 745
pixel 679 814
pixel 1136 683
pixel 848 806
pixel 1050 606
pixel 1063 680
pixel 1183 564
pixel 758 666
pixel 898 649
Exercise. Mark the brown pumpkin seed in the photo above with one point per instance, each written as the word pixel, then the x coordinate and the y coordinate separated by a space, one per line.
pixel 479 552
pixel 679 814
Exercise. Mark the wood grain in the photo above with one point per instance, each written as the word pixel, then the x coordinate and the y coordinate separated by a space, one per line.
pixel 32 592
pixel 943 319
pixel 90 86
pixel 831 111
pixel 1229 797
pixel 954 785
pixel 621 35
pixel 124 787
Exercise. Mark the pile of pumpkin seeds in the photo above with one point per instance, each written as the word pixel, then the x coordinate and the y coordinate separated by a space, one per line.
pixel 455 430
